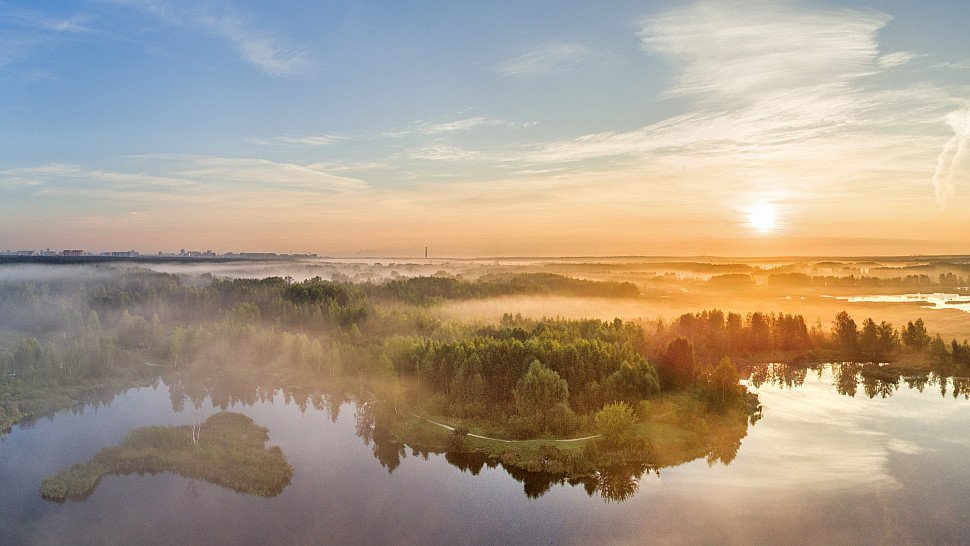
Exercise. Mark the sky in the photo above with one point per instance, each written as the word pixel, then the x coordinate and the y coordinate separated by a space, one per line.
pixel 505 128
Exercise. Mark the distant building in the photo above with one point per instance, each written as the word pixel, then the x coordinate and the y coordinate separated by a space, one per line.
pixel 72 253
pixel 253 255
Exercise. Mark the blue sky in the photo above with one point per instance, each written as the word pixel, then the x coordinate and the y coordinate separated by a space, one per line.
pixel 485 128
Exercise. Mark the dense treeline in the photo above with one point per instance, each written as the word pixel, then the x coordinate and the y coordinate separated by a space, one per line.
pixel 803 280
pixel 430 289
pixel 714 334
pixel 917 281
pixel 538 373
pixel 524 378
pixel 59 338
pixel 118 327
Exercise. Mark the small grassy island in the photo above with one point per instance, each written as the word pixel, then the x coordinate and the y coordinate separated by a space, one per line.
pixel 228 449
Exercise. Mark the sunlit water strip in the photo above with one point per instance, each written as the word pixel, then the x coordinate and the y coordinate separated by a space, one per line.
pixel 936 300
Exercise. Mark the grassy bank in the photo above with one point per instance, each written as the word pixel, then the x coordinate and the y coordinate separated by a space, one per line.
pixel 670 429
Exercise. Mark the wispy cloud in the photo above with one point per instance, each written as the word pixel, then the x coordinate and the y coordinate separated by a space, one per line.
pixel 736 48
pixel 547 58
pixel 952 156
pixel 265 174
pixel 173 175
pixel 67 174
pixel 348 166
pixel 303 140
pixel 271 54
pixel 899 58
pixel 457 125
pixel 23 32
pixel 435 128
pixel 37 21
pixel 443 152
pixel 951 65
pixel 778 92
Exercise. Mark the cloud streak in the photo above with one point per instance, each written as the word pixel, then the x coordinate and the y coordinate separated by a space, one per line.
pixel 265 175
pixel 458 125
pixel 304 140
pixel 547 58
pixel 443 152
pixel 270 54
pixel 952 156
pixel 778 96
pixel 733 49
pixel 186 176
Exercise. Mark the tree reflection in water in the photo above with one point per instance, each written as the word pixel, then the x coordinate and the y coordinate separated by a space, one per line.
pixel 880 380
pixel 616 483
pixel 225 388
pixel 229 387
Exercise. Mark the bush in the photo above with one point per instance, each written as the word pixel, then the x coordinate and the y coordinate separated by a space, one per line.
pixel 644 408
pixel 562 420
pixel 615 424
pixel 457 441
pixel 522 428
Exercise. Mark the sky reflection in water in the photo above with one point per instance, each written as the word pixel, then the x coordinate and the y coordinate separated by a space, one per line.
pixel 819 466
pixel 935 300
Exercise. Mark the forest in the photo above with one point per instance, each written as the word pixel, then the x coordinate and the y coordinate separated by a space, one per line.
pixel 532 380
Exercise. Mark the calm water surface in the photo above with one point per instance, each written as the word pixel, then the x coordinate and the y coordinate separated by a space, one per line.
pixel 818 467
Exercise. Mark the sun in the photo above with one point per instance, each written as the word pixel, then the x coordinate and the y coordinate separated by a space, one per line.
pixel 762 217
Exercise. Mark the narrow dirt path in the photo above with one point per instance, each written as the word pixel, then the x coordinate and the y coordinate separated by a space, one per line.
pixel 480 437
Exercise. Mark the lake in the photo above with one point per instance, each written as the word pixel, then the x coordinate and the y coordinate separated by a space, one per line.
pixel 936 300
pixel 819 467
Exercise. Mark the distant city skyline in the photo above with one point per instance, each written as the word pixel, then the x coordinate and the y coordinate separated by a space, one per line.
pixel 528 129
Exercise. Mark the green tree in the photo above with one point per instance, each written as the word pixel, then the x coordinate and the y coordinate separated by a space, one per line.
pixel 888 340
pixel 915 336
pixel 538 390
pixel 938 351
pixel 869 340
pixel 877 342
pixel 635 381
pixel 846 334
pixel 678 366
pixel 615 424
pixel 723 384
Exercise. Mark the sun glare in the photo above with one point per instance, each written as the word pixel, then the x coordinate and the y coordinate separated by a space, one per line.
pixel 762 217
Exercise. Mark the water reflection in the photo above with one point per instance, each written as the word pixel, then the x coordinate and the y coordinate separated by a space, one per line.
pixel 819 464
pixel 616 484
pixel 935 300
pixel 875 380
pixel 190 391
pixel 372 426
